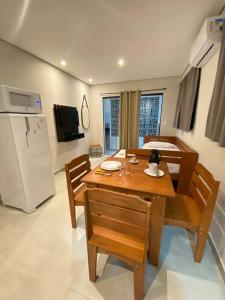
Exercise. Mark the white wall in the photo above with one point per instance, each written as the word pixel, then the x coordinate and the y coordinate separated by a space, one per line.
pixel 168 110
pixel 210 154
pixel 22 70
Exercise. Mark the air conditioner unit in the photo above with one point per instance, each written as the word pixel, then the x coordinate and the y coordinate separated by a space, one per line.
pixel 207 41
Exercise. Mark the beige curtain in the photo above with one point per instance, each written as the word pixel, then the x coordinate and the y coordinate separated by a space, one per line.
pixel 215 126
pixel 187 100
pixel 129 119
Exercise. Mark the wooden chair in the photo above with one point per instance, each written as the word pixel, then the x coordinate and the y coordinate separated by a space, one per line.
pixel 75 170
pixel 194 211
pixel 118 224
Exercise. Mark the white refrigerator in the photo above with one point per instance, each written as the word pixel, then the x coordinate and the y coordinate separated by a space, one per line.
pixel 26 177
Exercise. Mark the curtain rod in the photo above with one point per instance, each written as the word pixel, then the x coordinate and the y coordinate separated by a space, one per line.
pixel 142 91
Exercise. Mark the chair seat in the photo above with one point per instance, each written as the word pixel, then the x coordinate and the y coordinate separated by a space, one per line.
pixel 118 244
pixel 182 211
pixel 79 195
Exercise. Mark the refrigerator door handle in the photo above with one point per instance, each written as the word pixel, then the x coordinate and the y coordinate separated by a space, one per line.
pixel 27 131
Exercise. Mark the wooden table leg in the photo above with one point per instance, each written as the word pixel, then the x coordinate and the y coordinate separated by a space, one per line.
pixel 157 221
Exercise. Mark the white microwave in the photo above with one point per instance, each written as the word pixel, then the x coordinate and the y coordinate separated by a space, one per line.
pixel 15 100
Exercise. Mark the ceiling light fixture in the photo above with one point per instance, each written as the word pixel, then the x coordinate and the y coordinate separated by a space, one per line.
pixel 121 62
pixel 63 63
pixel 90 80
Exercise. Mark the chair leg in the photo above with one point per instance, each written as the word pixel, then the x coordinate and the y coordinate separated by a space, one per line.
pixel 73 215
pixel 200 245
pixel 139 276
pixel 92 260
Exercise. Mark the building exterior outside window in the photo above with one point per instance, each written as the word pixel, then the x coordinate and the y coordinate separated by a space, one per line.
pixel 115 113
pixel 150 116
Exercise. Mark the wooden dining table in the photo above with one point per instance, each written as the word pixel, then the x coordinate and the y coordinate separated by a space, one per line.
pixel 154 189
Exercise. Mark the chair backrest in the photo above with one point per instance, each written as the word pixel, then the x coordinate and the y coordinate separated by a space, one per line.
pixel 203 189
pixel 75 170
pixel 118 212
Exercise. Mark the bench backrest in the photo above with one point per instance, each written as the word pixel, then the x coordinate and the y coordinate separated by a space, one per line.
pixel 165 155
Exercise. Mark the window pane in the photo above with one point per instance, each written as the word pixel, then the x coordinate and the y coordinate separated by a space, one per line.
pixel 150 115
pixel 111 111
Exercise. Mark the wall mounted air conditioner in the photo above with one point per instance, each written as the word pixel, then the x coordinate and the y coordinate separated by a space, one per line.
pixel 207 41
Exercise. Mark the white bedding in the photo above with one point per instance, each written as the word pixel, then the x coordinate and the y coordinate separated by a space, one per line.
pixel 121 154
pixel 161 146
pixel 173 168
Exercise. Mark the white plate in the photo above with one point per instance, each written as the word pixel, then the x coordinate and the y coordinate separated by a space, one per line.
pixel 160 173
pixel 111 165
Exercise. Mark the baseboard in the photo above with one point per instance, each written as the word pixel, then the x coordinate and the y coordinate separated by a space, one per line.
pixel 218 259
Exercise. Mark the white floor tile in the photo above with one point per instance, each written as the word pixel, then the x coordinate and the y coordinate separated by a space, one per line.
pixel 5 264
pixel 187 288
pixel 19 283
pixel 70 295
pixel 8 215
pixel 59 257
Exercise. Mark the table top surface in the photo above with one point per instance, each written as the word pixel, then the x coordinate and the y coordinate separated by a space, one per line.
pixel 137 180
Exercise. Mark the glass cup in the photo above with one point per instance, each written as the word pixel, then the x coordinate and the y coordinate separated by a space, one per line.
pixel 125 168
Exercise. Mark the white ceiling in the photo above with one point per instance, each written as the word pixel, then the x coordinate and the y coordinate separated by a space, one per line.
pixel 153 36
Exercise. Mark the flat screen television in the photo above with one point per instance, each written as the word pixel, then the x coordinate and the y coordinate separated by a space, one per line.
pixel 67 123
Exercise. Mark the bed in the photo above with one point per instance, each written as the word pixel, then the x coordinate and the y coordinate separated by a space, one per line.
pixel 181 159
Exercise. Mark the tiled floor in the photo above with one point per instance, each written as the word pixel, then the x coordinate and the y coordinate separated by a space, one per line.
pixel 43 258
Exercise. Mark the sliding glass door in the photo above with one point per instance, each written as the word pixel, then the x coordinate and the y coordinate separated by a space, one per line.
pixel 149 122
pixel 150 116
pixel 111 117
